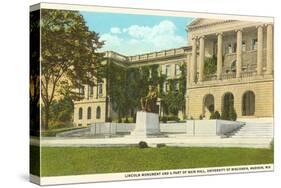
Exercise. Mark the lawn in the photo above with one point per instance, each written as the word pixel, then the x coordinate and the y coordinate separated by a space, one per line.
pixel 58 161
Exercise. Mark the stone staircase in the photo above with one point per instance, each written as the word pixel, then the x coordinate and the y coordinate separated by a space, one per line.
pixel 257 132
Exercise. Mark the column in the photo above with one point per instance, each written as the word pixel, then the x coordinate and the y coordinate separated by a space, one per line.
pixel 239 53
pixel 260 50
pixel 269 46
pixel 201 58
pixel 193 71
pixel 219 56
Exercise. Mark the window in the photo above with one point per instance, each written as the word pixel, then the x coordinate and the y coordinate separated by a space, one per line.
pixel 80 113
pixel 177 69
pixel 254 44
pixel 243 46
pixel 91 91
pixel 167 70
pixel 100 88
pixel 89 113
pixel 248 104
pixel 98 113
pixel 81 90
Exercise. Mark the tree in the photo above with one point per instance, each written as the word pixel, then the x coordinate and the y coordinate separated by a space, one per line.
pixel 174 100
pixel 34 78
pixel 68 50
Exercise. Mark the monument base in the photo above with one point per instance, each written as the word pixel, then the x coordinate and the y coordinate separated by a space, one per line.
pixel 147 124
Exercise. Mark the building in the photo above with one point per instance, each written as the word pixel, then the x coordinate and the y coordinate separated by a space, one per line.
pixel 243 56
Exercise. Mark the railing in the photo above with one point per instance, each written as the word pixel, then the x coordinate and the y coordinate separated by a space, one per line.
pixel 228 76
pixel 248 74
pixel 210 77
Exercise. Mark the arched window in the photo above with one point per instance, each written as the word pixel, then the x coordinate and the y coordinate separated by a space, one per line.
pixel 98 113
pixel 89 113
pixel 208 104
pixel 248 103
pixel 80 113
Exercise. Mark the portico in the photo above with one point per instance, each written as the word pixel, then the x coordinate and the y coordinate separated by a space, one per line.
pixel 243 55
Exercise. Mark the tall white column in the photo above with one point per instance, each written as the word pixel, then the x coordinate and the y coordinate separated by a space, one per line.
pixel 201 58
pixel 219 56
pixel 260 50
pixel 239 53
pixel 193 70
pixel 269 46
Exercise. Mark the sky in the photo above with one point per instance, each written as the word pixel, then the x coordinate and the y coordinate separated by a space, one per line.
pixel 131 34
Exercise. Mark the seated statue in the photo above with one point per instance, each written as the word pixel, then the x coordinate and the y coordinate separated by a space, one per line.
pixel 148 103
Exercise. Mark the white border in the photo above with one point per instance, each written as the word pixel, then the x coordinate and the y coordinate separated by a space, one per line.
pixel 73 179
pixel 124 10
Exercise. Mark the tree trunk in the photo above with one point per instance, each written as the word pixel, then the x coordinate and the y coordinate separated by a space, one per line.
pixel 47 111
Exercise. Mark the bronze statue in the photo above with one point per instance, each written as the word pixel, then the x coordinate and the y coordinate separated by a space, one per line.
pixel 148 103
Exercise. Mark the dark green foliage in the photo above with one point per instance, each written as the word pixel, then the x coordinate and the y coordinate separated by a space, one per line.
pixel 201 117
pixel 215 115
pixel 68 50
pixel 224 115
pixel 232 114
pixel 174 100
pixel 143 144
pixel 60 113
pixel 164 119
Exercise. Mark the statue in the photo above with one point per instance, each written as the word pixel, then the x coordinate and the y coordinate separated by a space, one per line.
pixel 148 103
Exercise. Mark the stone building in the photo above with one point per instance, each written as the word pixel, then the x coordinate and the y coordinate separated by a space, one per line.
pixel 243 52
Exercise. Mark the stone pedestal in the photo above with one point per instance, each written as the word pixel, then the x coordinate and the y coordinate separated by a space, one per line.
pixel 146 124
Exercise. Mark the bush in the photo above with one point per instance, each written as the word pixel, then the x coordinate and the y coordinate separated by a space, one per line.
pixel 143 144
pixel 201 117
pixel 119 120
pixel 164 119
pixel 232 114
pixel 126 120
pixel 215 115
pixel 109 119
pixel 224 115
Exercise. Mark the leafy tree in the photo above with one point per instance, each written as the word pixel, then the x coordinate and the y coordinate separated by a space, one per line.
pixel 34 78
pixel 174 100
pixel 68 50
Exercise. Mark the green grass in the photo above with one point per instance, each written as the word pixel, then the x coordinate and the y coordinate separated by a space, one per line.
pixel 58 161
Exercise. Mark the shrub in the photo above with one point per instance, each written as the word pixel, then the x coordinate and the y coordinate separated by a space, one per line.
pixel 143 144
pixel 201 117
pixel 109 119
pixel 224 115
pixel 126 120
pixel 119 120
pixel 232 114
pixel 164 119
pixel 215 115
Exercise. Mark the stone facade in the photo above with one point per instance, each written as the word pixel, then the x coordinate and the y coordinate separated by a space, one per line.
pixel 244 71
